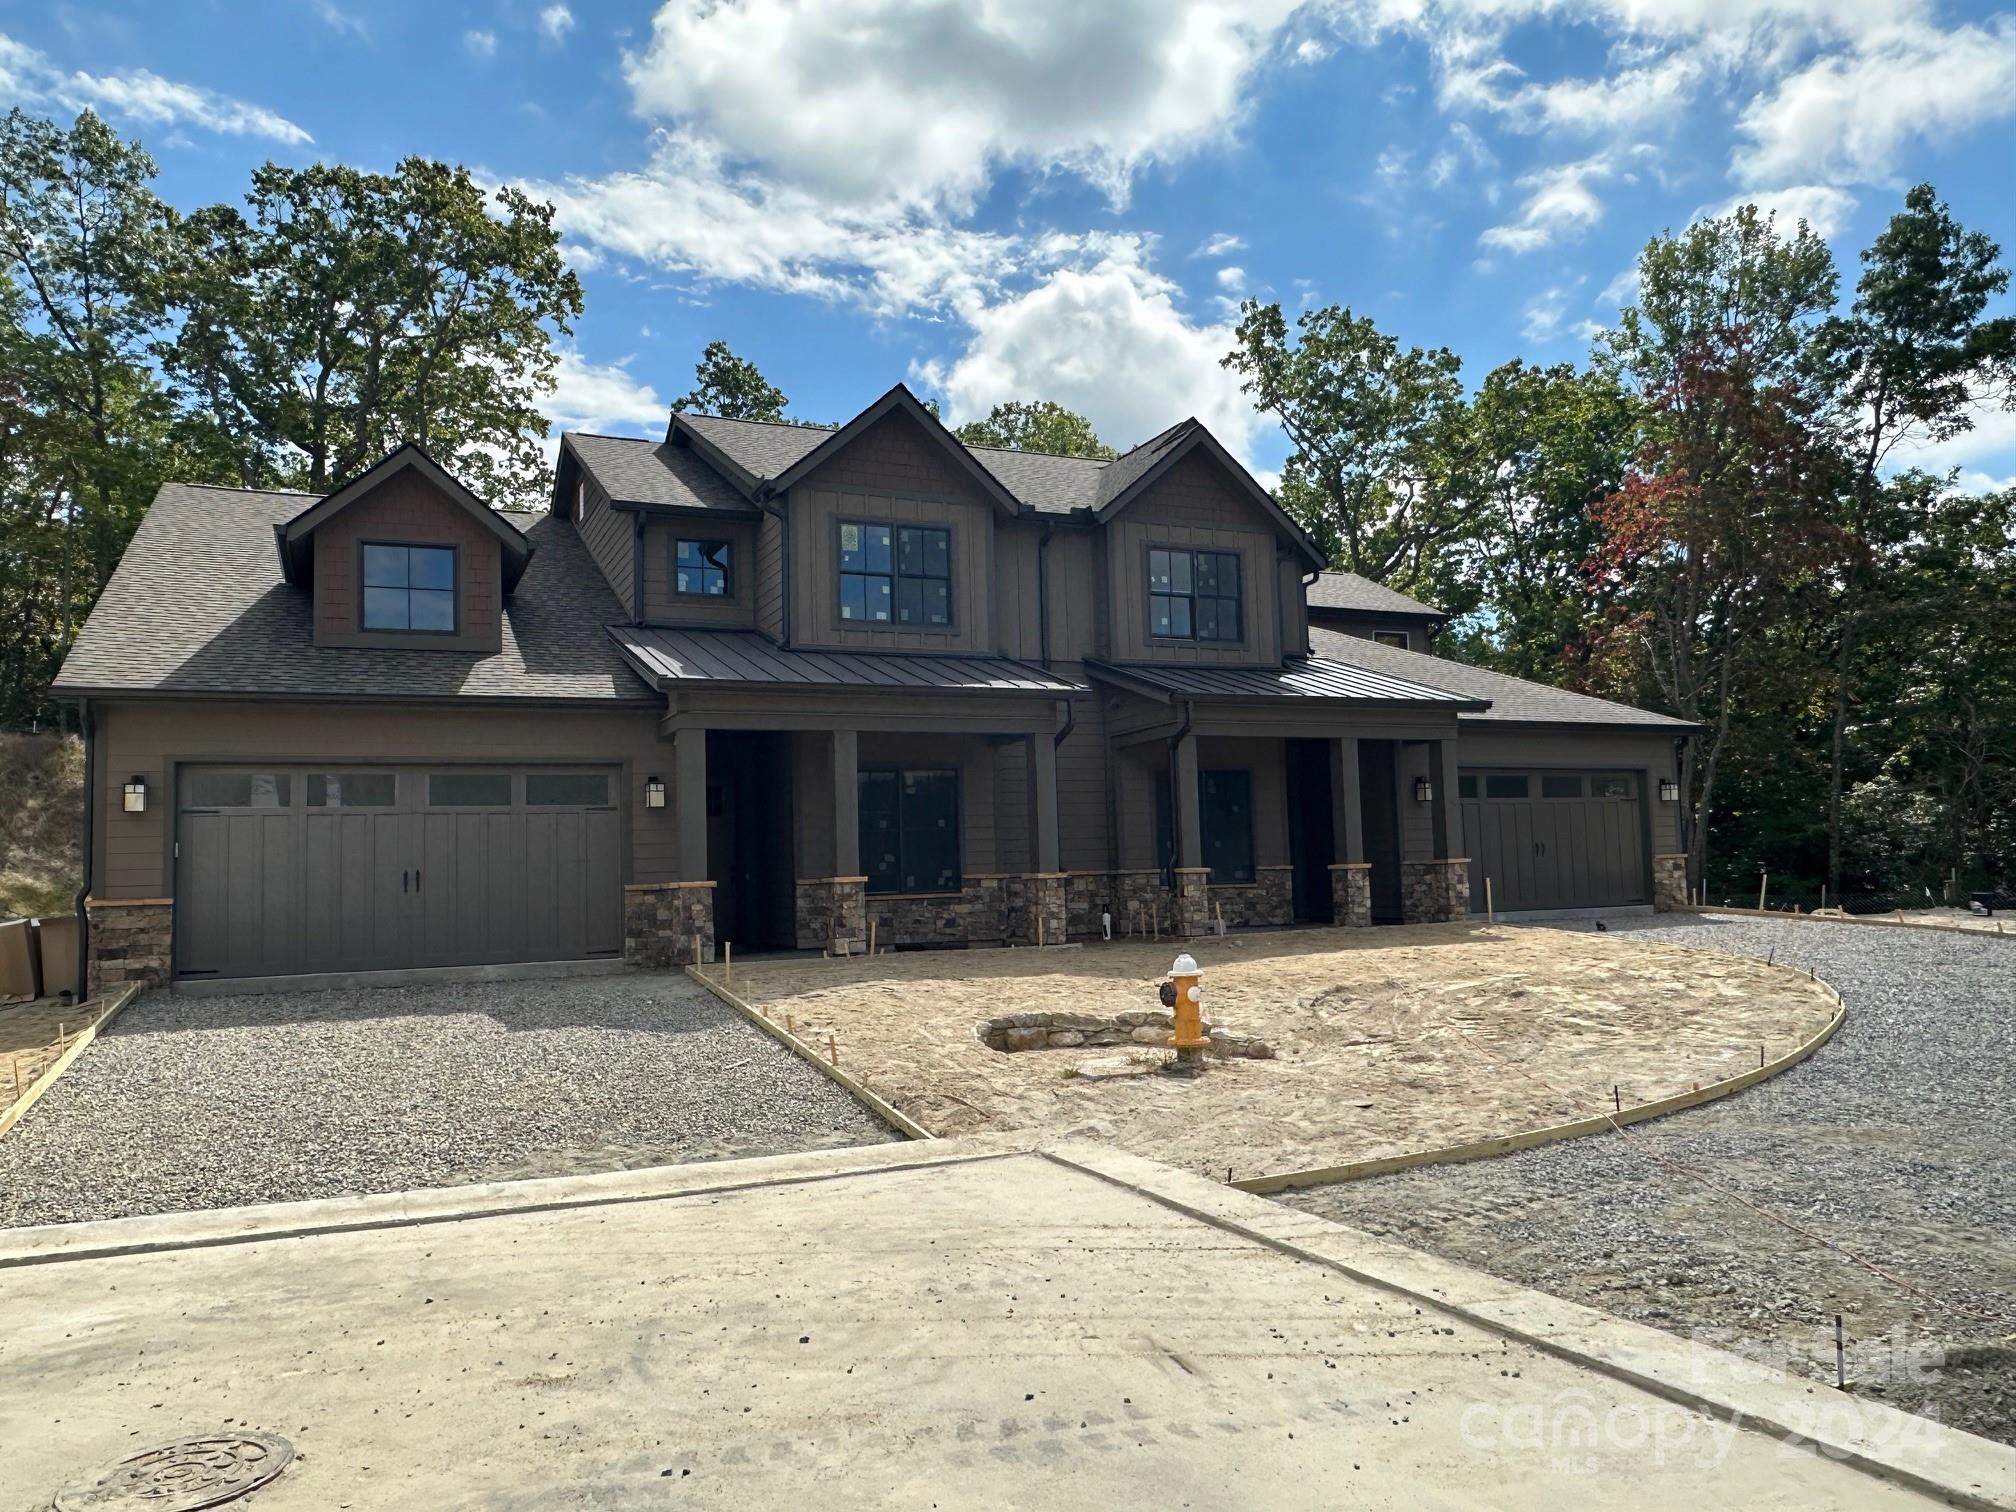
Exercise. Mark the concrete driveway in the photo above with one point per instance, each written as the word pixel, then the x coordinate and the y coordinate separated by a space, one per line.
pixel 925 1326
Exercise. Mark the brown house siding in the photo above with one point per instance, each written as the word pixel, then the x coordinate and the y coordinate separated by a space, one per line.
pixel 407 510
pixel 662 606
pixel 146 739
pixel 770 577
pixel 606 533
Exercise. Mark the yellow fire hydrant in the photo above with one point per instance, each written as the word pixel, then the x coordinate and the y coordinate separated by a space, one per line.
pixel 1191 1041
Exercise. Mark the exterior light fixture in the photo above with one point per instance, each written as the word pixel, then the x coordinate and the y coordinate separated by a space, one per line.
pixel 136 795
pixel 654 792
pixel 1424 790
pixel 1669 790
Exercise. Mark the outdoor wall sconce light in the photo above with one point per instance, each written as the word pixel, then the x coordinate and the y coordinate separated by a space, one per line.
pixel 136 795
pixel 654 792
pixel 1669 790
pixel 1424 790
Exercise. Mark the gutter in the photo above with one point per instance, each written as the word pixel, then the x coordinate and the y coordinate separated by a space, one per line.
pixel 86 727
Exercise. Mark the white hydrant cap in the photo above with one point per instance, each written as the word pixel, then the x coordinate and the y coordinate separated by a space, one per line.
pixel 1186 965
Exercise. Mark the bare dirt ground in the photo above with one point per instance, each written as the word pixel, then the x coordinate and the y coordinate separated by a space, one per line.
pixel 1388 1041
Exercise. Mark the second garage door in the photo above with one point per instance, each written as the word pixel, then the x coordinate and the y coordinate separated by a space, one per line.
pixel 282 870
pixel 1554 839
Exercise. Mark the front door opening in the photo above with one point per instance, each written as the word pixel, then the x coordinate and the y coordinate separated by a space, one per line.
pixel 749 851
pixel 1312 837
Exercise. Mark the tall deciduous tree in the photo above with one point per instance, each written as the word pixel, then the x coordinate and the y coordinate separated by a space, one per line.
pixel 1035 426
pixel 1369 422
pixel 345 312
pixel 732 387
pixel 1914 358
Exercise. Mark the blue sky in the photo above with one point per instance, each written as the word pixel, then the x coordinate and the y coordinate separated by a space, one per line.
pixel 1061 199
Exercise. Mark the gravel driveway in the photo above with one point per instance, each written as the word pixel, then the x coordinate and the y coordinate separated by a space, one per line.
pixel 213 1102
pixel 1895 1140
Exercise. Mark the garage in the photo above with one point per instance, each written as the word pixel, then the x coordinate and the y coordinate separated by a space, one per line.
pixel 288 869
pixel 1555 839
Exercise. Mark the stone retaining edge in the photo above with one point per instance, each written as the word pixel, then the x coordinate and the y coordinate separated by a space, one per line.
pixel 1506 1144
pixel 901 1122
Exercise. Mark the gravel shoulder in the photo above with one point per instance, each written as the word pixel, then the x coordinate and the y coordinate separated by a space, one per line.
pixel 1894 1140
pixel 215 1102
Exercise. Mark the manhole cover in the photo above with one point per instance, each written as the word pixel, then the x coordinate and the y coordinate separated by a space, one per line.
pixel 184 1476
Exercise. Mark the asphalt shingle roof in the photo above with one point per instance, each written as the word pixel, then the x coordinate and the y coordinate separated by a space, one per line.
pixel 651 472
pixel 1348 592
pixel 1124 469
pixel 761 448
pixel 1512 698
pixel 198 606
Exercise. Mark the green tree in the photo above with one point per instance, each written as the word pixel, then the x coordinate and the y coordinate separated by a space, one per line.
pixel 1370 426
pixel 1912 359
pixel 345 312
pixel 731 387
pixel 1035 426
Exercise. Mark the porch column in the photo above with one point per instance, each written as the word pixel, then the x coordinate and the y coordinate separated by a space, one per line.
pixel 1350 873
pixel 1189 810
pixel 1447 816
pixel 689 799
pixel 846 804
pixel 1438 890
pixel 1043 798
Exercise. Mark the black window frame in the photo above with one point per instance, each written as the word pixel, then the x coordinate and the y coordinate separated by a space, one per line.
pixel 1208 843
pixel 1193 595
pixel 1399 640
pixel 883 882
pixel 1215 839
pixel 364 588
pixel 726 568
pixel 896 576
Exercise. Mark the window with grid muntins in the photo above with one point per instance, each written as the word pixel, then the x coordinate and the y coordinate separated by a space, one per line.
pixel 909 830
pixel 1194 595
pixel 701 567
pixel 409 588
pixel 895 575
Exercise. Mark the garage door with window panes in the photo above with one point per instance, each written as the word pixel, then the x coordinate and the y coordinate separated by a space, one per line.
pixel 1554 839
pixel 283 870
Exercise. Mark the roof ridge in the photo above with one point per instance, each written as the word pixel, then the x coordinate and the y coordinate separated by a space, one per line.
pixel 284 493
pixel 813 425
pixel 1024 451
pixel 606 436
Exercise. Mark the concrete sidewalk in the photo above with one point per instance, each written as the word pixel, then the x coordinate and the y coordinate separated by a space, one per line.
pixel 931 1325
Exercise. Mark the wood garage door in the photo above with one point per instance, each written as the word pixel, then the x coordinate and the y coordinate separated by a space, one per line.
pixel 281 870
pixel 1554 839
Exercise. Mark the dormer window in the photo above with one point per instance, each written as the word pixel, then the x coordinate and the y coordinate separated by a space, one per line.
pixel 702 568
pixel 409 588
pixel 1194 595
pixel 1397 639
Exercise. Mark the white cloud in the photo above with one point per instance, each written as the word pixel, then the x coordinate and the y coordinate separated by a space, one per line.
pixel 338 19
pixel 1465 147
pixel 1561 203
pixel 555 21
pixel 1106 340
pixel 1544 313
pixel 1983 454
pixel 1220 244
pixel 920 101
pixel 1823 207
pixel 587 396
pixel 28 78
pixel 481 45
pixel 1232 280
pixel 1846 117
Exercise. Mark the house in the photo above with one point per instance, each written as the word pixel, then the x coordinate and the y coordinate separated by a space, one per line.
pixel 787 687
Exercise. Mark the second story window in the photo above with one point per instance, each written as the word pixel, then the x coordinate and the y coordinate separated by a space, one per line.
pixel 702 567
pixel 1394 638
pixel 409 588
pixel 1193 595
pixel 895 575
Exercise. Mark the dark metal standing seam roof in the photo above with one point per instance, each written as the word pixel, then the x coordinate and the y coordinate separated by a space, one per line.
pixel 1313 678
pixel 688 658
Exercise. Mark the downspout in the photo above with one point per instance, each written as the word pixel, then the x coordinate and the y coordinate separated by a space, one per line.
pixel 85 726
pixel 1043 601
pixel 1175 796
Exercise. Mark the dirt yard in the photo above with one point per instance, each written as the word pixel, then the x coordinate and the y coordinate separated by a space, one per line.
pixel 1388 1041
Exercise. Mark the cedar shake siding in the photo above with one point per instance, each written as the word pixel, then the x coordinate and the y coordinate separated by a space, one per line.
pixel 407 510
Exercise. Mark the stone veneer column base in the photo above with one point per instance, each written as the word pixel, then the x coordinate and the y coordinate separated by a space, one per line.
pixel 663 921
pixel 1193 900
pixel 1267 902
pixel 833 911
pixel 1049 908
pixel 1669 883
pixel 132 940
pixel 1351 894
pixel 1435 892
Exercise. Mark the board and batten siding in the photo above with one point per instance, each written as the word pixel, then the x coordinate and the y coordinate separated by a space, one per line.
pixel 892 474
pixel 770 577
pixel 664 606
pixel 606 533
pixel 408 510
pixel 1194 505
pixel 148 738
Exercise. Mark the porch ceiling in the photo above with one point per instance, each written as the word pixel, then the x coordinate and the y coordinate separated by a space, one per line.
pixel 686 660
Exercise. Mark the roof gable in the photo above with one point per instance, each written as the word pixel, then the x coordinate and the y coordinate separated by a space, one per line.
pixel 295 536
pixel 899 399
pixel 1128 477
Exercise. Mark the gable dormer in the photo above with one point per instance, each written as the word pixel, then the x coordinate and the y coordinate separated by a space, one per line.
pixel 404 556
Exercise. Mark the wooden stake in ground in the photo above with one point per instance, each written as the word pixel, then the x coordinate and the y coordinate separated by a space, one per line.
pixel 1763 881
pixel 871 934
pixel 1490 913
pixel 728 962
pixel 832 1049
